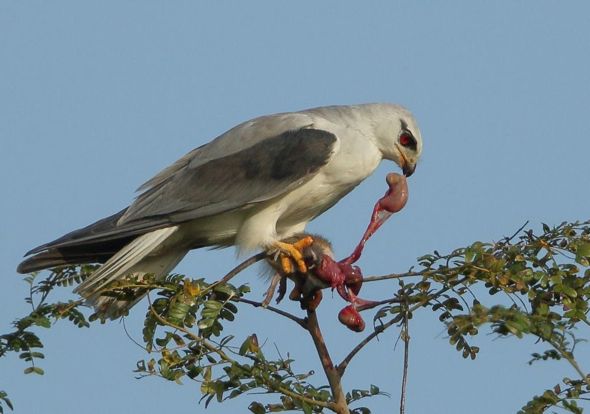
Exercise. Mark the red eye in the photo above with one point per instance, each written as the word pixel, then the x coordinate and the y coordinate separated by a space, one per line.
pixel 406 139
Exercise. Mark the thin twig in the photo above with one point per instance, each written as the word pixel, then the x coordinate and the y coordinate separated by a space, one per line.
pixel 406 338
pixel 569 357
pixel 246 263
pixel 462 299
pixel 130 337
pixel 341 367
pixel 509 239
pixel 422 273
pixel 239 268
pixel 271 289
pixel 299 321
pixel 369 279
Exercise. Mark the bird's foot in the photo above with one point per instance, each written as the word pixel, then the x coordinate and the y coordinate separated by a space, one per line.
pixel 271 289
pixel 293 252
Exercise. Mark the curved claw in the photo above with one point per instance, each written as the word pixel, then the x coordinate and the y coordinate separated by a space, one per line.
pixel 293 253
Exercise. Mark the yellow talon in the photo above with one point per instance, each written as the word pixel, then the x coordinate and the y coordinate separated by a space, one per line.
pixel 293 252
pixel 303 243
pixel 287 264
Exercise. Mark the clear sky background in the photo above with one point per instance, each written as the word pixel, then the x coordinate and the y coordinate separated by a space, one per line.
pixel 96 97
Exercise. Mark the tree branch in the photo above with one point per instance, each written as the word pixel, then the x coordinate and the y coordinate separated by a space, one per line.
pixel 298 321
pixel 334 378
pixel 242 266
pixel 405 335
pixel 369 279
pixel 341 367
pixel 568 356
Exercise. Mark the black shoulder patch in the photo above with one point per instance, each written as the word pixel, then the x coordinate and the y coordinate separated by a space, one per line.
pixel 271 167
pixel 302 151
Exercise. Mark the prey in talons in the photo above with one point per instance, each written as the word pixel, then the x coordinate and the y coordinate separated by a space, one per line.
pixel 307 283
pixel 323 272
pixel 314 268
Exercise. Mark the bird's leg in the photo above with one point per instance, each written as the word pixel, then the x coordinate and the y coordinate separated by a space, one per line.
pixel 293 251
pixel 271 289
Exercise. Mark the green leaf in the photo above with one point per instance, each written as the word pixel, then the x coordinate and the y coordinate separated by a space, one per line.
pixel 225 290
pixel 213 305
pixel 583 249
pixel 4 398
pixel 43 321
pixel 34 370
pixel 245 346
pixel 206 323
pixel 571 292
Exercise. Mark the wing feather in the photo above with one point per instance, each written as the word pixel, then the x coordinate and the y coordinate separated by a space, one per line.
pixel 267 169
pixel 202 183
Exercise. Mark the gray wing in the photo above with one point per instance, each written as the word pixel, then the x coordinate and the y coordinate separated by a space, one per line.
pixel 262 171
pixel 205 183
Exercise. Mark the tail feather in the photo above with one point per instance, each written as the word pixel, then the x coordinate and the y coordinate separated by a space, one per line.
pixel 133 260
pixel 85 236
pixel 94 253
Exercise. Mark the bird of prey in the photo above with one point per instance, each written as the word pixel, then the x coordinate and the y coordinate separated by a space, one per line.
pixel 253 186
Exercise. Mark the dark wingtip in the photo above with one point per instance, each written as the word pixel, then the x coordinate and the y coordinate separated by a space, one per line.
pixel 40 261
pixel 25 266
pixel 37 249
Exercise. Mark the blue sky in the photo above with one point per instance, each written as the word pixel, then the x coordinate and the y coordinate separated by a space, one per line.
pixel 96 97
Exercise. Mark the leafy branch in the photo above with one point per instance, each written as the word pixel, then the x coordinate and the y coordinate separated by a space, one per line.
pixel 527 284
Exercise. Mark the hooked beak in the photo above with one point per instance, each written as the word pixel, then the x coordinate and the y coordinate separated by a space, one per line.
pixel 408 169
